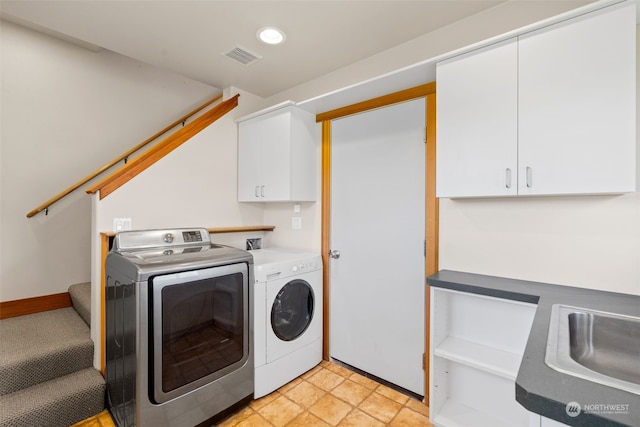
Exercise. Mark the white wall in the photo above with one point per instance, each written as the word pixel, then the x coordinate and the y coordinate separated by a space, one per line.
pixel 280 215
pixel 590 242
pixel 67 111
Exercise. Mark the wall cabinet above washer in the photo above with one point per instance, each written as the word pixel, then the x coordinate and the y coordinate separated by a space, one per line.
pixel 277 156
pixel 548 112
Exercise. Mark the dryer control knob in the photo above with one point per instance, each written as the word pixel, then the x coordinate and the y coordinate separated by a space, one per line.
pixel 294 268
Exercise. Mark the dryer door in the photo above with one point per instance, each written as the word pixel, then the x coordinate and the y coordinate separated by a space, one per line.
pixel 292 317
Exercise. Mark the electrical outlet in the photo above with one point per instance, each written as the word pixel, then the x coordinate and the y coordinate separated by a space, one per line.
pixel 296 223
pixel 255 243
pixel 121 224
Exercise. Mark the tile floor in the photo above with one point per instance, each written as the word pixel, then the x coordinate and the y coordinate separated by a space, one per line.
pixel 103 419
pixel 327 395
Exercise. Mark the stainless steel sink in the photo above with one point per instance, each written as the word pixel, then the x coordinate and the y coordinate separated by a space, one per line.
pixel 595 345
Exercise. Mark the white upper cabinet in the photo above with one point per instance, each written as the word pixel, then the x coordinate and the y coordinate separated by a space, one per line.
pixel 577 105
pixel 548 112
pixel 477 118
pixel 277 156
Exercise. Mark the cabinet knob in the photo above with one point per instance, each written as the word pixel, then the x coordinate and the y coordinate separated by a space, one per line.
pixel 335 254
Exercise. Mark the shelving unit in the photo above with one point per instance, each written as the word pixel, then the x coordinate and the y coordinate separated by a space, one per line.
pixel 477 344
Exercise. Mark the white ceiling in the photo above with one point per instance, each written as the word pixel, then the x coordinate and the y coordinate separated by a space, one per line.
pixel 188 37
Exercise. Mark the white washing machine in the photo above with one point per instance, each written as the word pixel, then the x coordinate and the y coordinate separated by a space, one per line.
pixel 287 317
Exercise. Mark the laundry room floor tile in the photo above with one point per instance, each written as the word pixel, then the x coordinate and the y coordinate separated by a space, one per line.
pixel 281 411
pixel 332 395
pixel 406 417
pixel 363 381
pixel 327 395
pixel 331 409
pixel 357 418
pixel 305 394
pixel 325 379
pixel 392 394
pixel 351 392
pixel 380 407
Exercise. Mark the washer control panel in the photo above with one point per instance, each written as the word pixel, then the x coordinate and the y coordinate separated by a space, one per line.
pixel 304 266
pixel 272 264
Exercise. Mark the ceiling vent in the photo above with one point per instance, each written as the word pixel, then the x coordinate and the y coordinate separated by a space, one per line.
pixel 242 55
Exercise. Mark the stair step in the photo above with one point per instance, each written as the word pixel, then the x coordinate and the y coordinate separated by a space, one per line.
pixel 81 298
pixel 42 346
pixel 60 402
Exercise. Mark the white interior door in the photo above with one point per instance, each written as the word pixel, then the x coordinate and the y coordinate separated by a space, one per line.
pixel 378 226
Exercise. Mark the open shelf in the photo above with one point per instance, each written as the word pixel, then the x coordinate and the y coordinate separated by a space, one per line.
pixel 488 359
pixel 454 414
pixel 477 346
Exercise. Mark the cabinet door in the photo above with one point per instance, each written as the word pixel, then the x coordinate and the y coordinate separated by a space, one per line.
pixel 276 155
pixel 249 161
pixel 477 123
pixel 577 105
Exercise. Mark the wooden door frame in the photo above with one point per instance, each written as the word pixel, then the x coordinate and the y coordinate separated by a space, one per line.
pixel 427 91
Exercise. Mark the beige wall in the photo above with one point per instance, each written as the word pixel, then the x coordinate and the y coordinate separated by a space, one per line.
pixel 65 112
pixel 110 103
pixel 590 242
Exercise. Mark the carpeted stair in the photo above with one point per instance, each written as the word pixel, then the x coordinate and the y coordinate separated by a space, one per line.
pixel 46 366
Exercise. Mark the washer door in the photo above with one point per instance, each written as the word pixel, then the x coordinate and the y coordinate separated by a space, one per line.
pixel 292 310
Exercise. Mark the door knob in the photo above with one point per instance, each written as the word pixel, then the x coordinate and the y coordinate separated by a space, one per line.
pixel 334 254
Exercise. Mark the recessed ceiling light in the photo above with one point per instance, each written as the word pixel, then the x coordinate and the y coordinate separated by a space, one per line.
pixel 271 35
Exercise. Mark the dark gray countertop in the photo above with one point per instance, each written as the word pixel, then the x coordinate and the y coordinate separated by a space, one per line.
pixel 539 388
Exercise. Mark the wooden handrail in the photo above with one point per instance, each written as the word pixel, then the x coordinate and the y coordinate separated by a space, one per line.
pixel 120 158
pixel 123 174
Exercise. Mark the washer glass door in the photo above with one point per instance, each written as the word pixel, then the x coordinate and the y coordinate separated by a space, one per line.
pixel 292 310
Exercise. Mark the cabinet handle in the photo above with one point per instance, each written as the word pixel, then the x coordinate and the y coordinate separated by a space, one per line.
pixel 508 178
pixel 529 177
pixel 257 192
pixel 262 191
